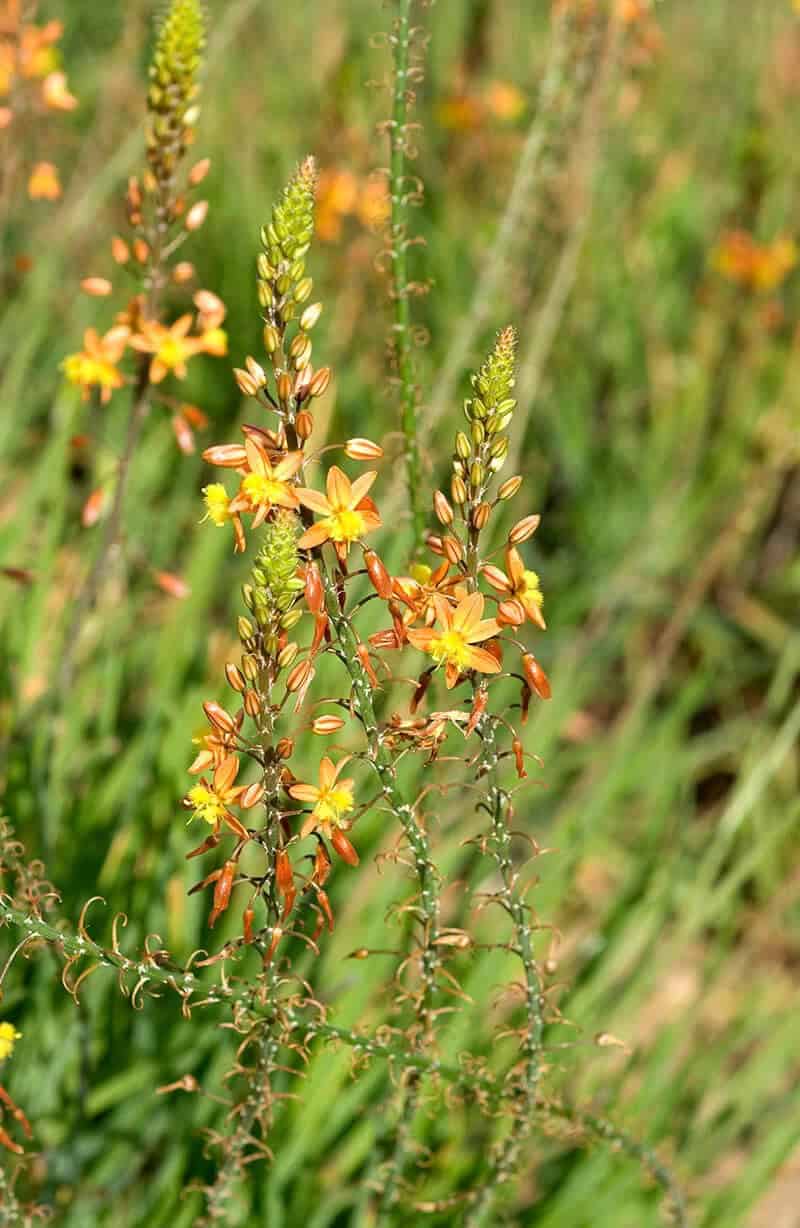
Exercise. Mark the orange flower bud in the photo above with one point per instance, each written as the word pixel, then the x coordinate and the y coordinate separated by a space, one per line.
pixel 478 708
pixel 327 724
pixel 199 171
pixel 458 489
pixel 302 381
pixel 314 594
pixel 304 424
pixel 141 251
pixel 97 287
pixel 252 704
pixel 218 717
pixel 497 578
pixel 277 934
pixel 174 586
pixel 362 450
pixel 363 656
pixel 183 272
pixel 196 215
pixel 248 916
pixel 134 194
pixel 510 613
pixel 379 576
pixel 234 677
pixel 453 550
pixel 443 510
pixel 344 847
pixel 252 795
pixel 285 748
pixel 322 865
pixel 284 877
pixel 524 529
pixel 434 543
pixel 325 904
pixel 120 251
pixel 93 508
pixel 222 891
pixel 480 515
pixel 300 676
pixel 284 386
pixel 510 487
pixel 535 676
pixel 226 455
pixel 184 435
pixel 320 382
pixel 247 385
pixel 210 842
pixel 516 746
pixel 211 309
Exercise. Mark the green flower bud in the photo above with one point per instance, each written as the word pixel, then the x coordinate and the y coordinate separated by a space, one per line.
pixel 174 73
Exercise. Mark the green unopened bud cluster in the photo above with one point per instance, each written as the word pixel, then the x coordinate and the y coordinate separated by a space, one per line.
pixel 282 284
pixel 174 73
pixel 274 589
pixel 481 450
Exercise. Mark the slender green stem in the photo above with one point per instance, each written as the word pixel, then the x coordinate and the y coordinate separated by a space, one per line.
pixel 493 1094
pixel 504 1164
pixel 427 906
pixel 402 336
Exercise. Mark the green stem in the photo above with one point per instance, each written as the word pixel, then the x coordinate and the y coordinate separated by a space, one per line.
pixel 493 1094
pixel 427 909
pixel 503 1166
pixel 402 339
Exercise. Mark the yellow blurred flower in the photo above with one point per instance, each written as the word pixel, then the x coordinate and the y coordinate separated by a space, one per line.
pixel 95 366
pixel 8 1038
pixel 44 183
pixel 741 259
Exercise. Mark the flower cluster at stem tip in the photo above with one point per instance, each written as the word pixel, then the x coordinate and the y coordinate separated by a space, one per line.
pixel 161 217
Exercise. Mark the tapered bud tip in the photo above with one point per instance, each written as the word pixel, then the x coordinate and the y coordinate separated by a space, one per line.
pixel 535 676
pixel 327 724
pixel 307 171
pixel 524 529
pixel 363 450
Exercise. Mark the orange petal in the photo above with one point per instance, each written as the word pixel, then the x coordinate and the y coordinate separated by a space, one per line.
pixel 444 611
pixel 315 536
pixel 314 500
pixel 480 659
pixel 339 488
pixel 327 773
pixel 304 793
pixel 468 612
pixel 483 630
pixel 421 637
pixel 226 773
pixel 257 458
pixel 289 466
pixel 362 485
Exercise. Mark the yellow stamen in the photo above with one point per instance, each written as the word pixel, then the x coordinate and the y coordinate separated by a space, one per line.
pixel 216 501
pixel 345 525
pixel 206 804
pixel 261 489
pixel 450 647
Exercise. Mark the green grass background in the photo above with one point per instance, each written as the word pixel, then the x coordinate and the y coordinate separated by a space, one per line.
pixel 661 449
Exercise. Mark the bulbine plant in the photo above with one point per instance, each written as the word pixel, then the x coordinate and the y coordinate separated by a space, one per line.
pixel 163 210
pixel 308 746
